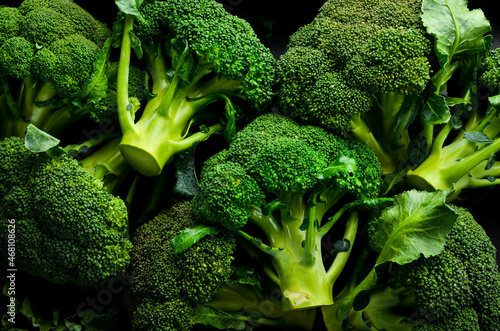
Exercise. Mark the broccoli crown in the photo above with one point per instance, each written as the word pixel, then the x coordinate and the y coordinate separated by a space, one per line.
pixel 217 38
pixel 51 56
pixel 62 63
pixel 490 71
pixel 462 278
pixel 17 57
pixel 165 287
pixel 276 156
pixel 370 47
pixel 11 23
pixel 66 16
pixel 69 230
pixel 461 320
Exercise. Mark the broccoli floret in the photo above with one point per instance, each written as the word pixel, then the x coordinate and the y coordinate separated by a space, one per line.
pixel 462 157
pixel 457 289
pixel 210 56
pixel 459 135
pixel 165 288
pixel 52 66
pixel 69 228
pixel 288 179
pixel 357 68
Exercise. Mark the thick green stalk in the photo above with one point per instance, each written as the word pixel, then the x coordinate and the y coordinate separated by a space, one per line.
pixel 126 117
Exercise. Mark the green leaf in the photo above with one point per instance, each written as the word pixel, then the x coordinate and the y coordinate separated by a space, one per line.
pixel 417 149
pixel 370 204
pixel 495 101
pixel 244 275
pixel 185 172
pixel 478 137
pixel 230 128
pixel 219 319
pixel 435 110
pixel 136 45
pixel 183 61
pixel 98 77
pixel 417 224
pixel 456 29
pixel 273 206
pixel 39 141
pixel 342 164
pixel 191 236
pixel 130 7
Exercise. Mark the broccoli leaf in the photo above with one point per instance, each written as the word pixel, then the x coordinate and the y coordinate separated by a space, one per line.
pixel 456 29
pixel 185 172
pixel 39 141
pixel 130 7
pixel 190 236
pixel 416 225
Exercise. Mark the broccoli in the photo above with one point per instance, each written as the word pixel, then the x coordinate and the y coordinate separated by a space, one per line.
pixel 463 154
pixel 52 67
pixel 249 299
pixel 196 53
pixel 288 179
pixel 70 228
pixel 359 67
pixel 165 287
pixel 456 289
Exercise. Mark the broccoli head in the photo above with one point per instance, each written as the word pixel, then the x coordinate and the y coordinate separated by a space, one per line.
pixel 357 68
pixel 165 287
pixel 210 55
pixel 69 228
pixel 52 66
pixel 293 182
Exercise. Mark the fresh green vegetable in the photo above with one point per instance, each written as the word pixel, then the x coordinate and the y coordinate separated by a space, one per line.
pixel 212 164
pixel 196 53
pixel 454 284
pixel 359 67
pixel 166 288
pixel 293 183
pixel 52 66
pixel 68 228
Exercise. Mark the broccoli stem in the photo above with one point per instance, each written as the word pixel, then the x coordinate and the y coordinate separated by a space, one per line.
pixel 106 163
pixel 459 164
pixel 341 258
pixel 347 302
pixel 363 133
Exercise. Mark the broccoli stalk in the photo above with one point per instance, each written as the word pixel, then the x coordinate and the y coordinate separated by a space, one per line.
pixel 249 299
pixel 188 72
pixel 465 163
pixel 297 256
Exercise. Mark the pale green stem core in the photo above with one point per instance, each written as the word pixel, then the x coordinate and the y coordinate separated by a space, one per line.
pixel 297 254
